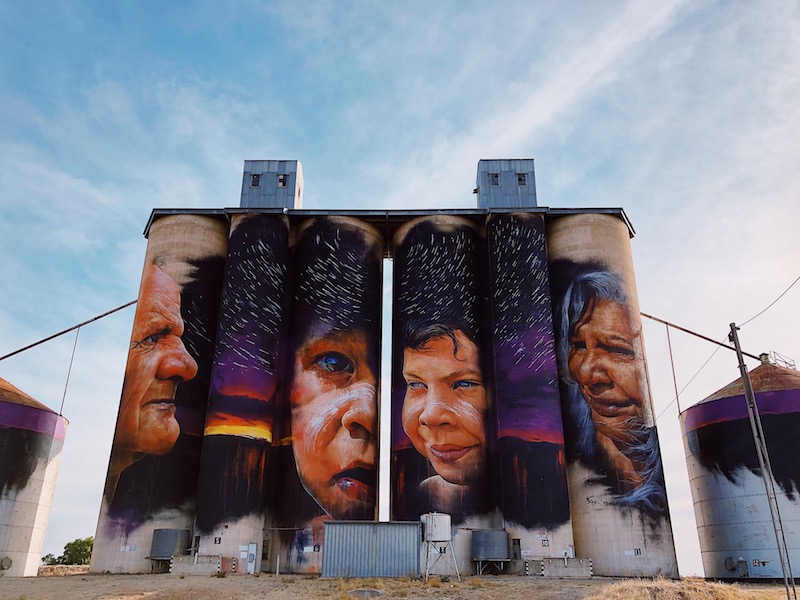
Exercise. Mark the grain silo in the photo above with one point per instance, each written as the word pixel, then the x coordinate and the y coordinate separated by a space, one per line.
pixel 618 500
pixel 31 438
pixel 737 536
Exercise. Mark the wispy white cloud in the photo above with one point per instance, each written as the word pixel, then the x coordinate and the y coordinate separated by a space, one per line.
pixel 683 113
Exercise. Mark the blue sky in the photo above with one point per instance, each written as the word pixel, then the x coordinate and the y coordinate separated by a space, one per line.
pixel 684 113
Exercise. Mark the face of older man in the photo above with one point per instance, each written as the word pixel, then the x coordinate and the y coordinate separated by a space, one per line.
pixel 445 405
pixel 334 422
pixel 157 362
pixel 605 361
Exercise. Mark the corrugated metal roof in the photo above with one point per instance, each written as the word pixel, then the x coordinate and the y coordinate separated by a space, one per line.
pixel 13 395
pixel 765 378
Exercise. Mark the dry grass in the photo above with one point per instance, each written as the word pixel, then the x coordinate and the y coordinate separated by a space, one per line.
pixel 686 589
pixel 311 587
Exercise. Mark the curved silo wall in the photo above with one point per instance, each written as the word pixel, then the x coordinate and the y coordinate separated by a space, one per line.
pixel 153 469
pixel 31 440
pixel 442 429
pixel 620 516
pixel 246 376
pixel 234 485
pixel 530 462
pixel 325 443
pixel 737 537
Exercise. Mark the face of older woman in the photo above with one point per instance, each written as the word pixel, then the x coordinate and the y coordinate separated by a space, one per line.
pixel 605 361
pixel 444 406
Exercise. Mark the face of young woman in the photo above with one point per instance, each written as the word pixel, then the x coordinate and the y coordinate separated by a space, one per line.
pixel 445 405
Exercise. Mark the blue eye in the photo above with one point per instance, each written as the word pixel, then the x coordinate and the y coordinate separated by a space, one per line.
pixel 416 385
pixel 334 362
pixel 152 339
pixel 465 384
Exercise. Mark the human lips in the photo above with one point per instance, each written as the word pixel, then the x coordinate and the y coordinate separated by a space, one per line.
pixel 164 407
pixel 449 452
pixel 611 406
pixel 357 483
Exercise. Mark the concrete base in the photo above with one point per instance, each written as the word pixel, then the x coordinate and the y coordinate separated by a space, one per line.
pixel 552 567
pixel 201 564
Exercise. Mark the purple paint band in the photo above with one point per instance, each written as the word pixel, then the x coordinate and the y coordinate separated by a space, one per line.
pixel 19 416
pixel 735 408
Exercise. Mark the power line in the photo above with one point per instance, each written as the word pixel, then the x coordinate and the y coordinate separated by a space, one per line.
pixel 708 360
pixel 719 344
pixel 771 304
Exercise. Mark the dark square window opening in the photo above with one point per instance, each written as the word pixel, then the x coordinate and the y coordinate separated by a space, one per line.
pixel 522 179
pixel 283 180
pixel 255 180
pixel 494 179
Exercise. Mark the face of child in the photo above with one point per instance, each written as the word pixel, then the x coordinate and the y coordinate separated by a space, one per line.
pixel 334 424
pixel 445 406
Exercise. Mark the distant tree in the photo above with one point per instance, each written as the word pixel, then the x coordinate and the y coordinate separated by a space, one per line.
pixel 49 559
pixel 77 552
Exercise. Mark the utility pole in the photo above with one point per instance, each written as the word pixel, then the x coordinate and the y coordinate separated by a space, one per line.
pixel 764 464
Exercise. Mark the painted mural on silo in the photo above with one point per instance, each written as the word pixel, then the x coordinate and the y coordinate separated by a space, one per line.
pixel 328 439
pixel 246 377
pixel 31 440
pixel 734 524
pixel 618 498
pixel 531 471
pixel 153 469
pixel 440 405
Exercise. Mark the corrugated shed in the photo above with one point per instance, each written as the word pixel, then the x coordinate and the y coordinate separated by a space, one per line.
pixel 368 549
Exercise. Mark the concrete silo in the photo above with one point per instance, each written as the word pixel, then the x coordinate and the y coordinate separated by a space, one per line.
pixel 31 438
pixel 737 536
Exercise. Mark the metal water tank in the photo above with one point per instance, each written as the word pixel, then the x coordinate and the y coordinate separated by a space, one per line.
pixel 436 527
pixel 489 544
pixel 169 542
pixel 734 524
pixel 31 440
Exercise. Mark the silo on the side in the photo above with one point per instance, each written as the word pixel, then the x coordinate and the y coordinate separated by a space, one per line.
pixel 31 439
pixel 618 500
pixel 154 464
pixel 737 536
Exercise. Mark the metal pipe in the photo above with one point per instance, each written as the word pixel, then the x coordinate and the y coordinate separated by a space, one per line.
pixel 694 333
pixel 73 328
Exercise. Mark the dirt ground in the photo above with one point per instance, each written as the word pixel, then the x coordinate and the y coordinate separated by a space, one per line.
pixel 298 587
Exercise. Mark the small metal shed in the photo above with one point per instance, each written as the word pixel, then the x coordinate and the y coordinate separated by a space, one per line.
pixel 370 549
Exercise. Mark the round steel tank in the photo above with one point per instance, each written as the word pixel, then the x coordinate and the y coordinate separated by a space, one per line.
pixel 31 439
pixel 169 542
pixel 736 531
pixel 436 527
pixel 489 544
